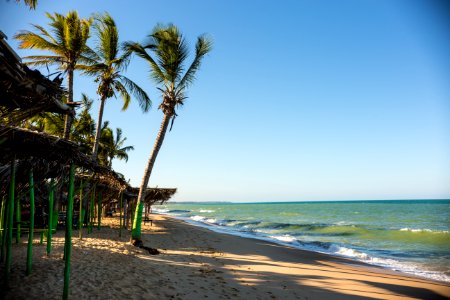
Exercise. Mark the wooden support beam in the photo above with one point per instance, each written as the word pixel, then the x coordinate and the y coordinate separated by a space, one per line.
pixel 50 216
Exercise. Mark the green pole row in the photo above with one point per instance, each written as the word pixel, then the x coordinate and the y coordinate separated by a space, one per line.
pixel 31 229
pixel 68 240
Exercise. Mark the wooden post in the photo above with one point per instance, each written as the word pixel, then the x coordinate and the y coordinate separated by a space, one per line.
pixel 120 214
pixel 125 214
pixel 80 213
pixel 31 228
pixel 12 188
pixel 18 220
pixel 3 223
pixel 2 218
pixel 99 210
pixel 91 210
pixel 51 198
pixel 68 239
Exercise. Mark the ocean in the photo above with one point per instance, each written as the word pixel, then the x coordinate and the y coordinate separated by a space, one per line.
pixel 410 236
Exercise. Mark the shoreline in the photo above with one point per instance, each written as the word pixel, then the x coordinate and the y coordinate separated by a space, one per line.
pixel 218 229
pixel 197 263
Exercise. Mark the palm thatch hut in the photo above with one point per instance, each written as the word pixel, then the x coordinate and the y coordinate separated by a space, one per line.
pixel 39 172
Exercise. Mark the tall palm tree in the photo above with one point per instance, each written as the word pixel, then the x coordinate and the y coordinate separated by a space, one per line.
pixel 106 65
pixel 68 45
pixel 167 58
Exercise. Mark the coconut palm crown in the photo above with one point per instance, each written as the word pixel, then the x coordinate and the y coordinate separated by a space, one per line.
pixel 66 40
pixel 107 64
pixel 166 52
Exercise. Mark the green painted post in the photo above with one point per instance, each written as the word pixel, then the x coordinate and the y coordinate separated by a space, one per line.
pixel 31 228
pixel 80 213
pixel 12 187
pixel 120 214
pixel 99 210
pixel 68 239
pixel 51 198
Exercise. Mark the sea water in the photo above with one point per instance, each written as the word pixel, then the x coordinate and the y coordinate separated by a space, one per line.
pixel 411 236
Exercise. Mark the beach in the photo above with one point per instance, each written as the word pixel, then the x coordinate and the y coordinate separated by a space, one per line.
pixel 196 263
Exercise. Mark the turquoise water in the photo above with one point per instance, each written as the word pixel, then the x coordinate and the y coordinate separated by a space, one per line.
pixel 408 236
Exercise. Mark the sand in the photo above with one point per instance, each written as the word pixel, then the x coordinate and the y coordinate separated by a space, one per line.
pixel 196 263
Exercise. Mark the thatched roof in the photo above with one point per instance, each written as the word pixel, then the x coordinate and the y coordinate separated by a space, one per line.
pixel 24 144
pixel 105 178
pixel 153 195
pixel 25 92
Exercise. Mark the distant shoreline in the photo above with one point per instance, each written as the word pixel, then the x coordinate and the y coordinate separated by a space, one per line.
pixel 305 201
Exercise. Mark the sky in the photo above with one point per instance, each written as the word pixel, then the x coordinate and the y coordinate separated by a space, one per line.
pixel 298 100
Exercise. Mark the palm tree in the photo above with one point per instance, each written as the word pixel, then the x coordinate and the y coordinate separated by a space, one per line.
pixel 107 64
pixel 68 45
pixel 112 146
pixel 170 51
pixel 117 148
pixel 84 126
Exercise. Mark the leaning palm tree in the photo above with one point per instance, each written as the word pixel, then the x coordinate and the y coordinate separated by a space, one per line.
pixel 167 58
pixel 68 45
pixel 107 65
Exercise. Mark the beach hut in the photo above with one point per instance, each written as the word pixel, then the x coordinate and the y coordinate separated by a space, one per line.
pixel 39 172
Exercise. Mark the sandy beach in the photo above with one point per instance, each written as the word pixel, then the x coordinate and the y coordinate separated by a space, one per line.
pixel 196 263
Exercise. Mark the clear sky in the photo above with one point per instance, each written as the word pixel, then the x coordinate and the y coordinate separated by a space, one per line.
pixel 299 100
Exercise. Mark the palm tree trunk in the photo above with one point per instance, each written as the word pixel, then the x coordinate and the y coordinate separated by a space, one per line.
pixel 136 231
pixel 99 127
pixel 68 121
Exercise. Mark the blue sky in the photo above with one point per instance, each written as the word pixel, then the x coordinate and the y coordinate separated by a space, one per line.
pixel 299 100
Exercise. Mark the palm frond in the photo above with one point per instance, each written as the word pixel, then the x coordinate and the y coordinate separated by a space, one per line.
pixel 29 40
pixel 144 100
pixel 119 87
pixel 30 3
pixel 203 47
pixel 40 60
pixel 92 70
pixel 139 50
